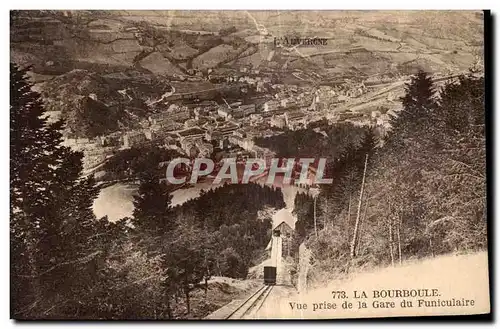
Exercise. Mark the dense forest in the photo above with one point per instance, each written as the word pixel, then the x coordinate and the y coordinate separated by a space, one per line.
pixel 325 140
pixel 67 264
pixel 420 195
pixel 231 215
pixel 129 163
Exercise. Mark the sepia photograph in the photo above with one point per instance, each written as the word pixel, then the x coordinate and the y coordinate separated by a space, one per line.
pixel 248 164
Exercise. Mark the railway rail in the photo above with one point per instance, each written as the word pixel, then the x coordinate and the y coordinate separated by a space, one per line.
pixel 252 303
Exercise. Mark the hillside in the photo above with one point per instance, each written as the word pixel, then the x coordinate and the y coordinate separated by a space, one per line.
pixel 56 42
pixel 129 58
pixel 94 104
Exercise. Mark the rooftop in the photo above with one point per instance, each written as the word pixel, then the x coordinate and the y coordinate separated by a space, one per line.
pixel 191 132
pixel 295 115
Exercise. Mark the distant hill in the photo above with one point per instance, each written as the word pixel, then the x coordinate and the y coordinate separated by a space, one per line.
pixel 95 104
pixel 56 42
pixel 123 60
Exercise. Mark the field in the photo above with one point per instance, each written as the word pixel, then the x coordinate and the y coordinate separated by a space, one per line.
pixel 191 39
pixel 178 48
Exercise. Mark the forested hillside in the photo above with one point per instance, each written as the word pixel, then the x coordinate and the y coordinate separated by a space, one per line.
pixel 323 141
pixel 422 194
pixel 95 104
pixel 67 264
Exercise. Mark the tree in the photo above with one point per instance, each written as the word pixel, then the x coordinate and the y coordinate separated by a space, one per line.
pixel 29 175
pixel 53 228
pixel 419 109
pixel 186 254
pixel 455 187
pixel 355 237
pixel 304 210
pixel 152 213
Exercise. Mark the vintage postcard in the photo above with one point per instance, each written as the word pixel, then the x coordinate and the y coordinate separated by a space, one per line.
pixel 251 165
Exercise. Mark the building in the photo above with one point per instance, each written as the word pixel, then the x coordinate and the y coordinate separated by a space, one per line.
pixel 173 113
pixel 243 142
pixel 288 102
pixel 285 231
pixel 278 121
pixel 161 129
pixel 256 119
pixel 193 133
pixel 376 114
pixel 347 115
pixel 235 140
pixel 180 115
pixel 133 138
pixel 205 149
pixel 236 110
pixel 244 110
pixel 189 147
pixel 113 139
pixel 149 133
pixel 189 123
pixel 295 120
pixel 271 105
pixel 224 112
pixel 170 139
pixel 261 87
pixel 263 153
pixel 221 132
pixel 157 118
